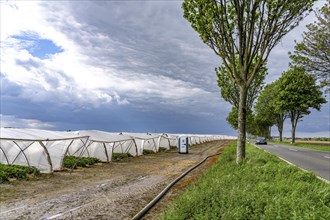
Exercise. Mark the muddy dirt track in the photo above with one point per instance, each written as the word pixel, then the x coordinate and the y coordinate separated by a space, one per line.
pixel 117 190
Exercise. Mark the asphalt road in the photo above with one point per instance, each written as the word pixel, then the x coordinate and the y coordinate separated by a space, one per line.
pixel 308 159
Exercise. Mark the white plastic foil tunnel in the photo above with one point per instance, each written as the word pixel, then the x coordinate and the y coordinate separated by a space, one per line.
pixel 42 149
pixel 46 150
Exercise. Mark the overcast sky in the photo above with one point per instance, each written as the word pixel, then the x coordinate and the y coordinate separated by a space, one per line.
pixel 134 66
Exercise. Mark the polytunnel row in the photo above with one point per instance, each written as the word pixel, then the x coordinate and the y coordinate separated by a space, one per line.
pixel 46 150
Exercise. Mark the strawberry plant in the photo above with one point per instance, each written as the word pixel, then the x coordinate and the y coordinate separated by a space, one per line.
pixel 16 172
pixel 73 162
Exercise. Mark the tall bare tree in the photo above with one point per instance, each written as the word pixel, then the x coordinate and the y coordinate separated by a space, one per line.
pixel 247 29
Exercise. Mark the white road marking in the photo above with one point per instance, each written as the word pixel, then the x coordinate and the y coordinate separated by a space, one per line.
pixel 326 157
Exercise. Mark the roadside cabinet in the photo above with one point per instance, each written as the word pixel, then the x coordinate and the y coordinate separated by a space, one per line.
pixel 183 145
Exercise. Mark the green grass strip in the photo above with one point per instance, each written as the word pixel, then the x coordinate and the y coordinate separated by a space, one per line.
pixel 262 187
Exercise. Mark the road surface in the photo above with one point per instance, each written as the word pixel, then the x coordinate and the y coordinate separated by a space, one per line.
pixel 308 159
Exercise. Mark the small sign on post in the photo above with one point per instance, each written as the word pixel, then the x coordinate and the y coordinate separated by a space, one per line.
pixel 183 145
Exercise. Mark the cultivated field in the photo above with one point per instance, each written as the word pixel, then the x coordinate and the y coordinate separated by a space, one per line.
pixel 321 143
pixel 117 190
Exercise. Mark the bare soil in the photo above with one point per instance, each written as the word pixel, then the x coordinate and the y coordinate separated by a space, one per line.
pixel 117 190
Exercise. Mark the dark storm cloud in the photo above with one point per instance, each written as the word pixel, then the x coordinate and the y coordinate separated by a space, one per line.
pixel 316 122
pixel 8 88
pixel 145 43
pixel 150 38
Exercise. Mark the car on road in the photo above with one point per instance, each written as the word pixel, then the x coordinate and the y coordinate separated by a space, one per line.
pixel 261 140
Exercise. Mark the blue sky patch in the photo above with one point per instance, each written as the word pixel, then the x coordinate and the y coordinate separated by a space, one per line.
pixel 40 48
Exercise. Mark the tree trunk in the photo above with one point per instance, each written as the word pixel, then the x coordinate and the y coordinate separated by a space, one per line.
pixel 279 122
pixel 280 131
pixel 240 154
pixel 293 130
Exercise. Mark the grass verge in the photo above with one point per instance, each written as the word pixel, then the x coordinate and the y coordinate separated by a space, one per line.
pixel 262 187
pixel 307 145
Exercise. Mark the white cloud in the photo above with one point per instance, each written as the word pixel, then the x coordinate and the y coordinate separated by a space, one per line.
pixel 278 61
pixel 78 74
pixel 14 122
pixel 141 54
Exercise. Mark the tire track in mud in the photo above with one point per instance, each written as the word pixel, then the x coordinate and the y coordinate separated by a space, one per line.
pixel 119 196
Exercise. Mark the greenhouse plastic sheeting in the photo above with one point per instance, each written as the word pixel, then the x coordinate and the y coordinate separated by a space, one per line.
pixel 42 149
pixel 102 144
pixel 150 141
pixel 46 150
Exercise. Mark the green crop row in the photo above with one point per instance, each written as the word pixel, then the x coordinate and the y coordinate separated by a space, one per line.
pixel 73 162
pixel 120 156
pixel 16 172
pixel 162 149
pixel 146 151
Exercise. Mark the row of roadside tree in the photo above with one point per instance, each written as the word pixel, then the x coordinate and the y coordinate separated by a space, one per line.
pixel 243 33
pixel 292 97
pixel 294 94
